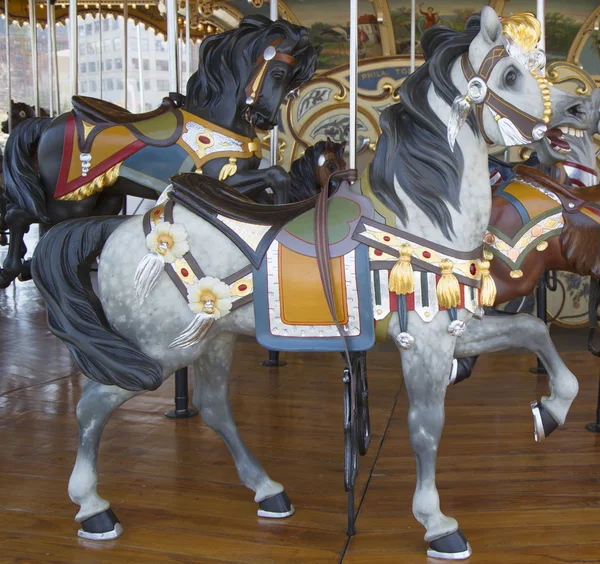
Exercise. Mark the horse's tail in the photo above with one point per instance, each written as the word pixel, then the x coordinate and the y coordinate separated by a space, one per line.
pixel 23 185
pixel 61 271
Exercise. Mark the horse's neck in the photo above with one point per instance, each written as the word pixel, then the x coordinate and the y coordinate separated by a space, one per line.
pixel 471 220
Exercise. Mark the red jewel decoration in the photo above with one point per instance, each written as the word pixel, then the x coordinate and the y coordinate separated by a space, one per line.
pixel 242 287
pixel 378 252
pixel 473 269
pixel 387 238
pixel 157 212
pixel 184 272
pixel 204 140
pixel 426 254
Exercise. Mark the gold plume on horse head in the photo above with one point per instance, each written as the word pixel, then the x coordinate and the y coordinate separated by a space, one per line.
pixel 524 29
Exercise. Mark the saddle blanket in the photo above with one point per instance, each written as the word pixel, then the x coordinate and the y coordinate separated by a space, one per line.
pixel 291 310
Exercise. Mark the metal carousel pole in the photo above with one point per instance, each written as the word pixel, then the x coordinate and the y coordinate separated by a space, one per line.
pixel 34 60
pixel 8 92
pixel 182 409
pixel 100 50
pixel 140 66
pixel 274 152
pixel 50 57
pixel 413 34
pixel 73 48
pixel 55 59
pixel 188 42
pixel 125 37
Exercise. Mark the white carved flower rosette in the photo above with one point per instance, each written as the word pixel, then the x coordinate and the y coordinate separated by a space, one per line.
pixel 166 243
pixel 210 299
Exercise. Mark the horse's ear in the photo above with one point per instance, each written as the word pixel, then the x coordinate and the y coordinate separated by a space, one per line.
pixel 491 28
pixel 329 144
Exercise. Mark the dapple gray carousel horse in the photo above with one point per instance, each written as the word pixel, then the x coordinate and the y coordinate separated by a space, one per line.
pixel 431 178
pixel 82 163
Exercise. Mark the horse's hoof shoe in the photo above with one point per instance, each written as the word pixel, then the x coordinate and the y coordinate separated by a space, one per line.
pixel 276 507
pixel 451 547
pixel 543 422
pixel 104 526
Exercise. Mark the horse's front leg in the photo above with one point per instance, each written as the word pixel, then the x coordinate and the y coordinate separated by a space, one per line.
pixel 252 182
pixel 211 397
pixel 425 368
pixel 498 333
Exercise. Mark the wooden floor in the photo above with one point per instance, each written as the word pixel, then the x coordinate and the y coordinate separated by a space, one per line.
pixel 174 487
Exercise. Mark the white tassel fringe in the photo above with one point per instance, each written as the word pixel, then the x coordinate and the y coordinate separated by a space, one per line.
pixel 405 340
pixel 510 134
pixel 147 275
pixel 461 108
pixel 194 332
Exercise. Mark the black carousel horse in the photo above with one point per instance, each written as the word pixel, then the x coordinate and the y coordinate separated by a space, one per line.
pixel 83 163
pixel 20 111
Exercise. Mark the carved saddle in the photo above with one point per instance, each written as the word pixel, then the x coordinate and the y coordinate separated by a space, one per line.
pixel 160 127
pixel 291 307
pixel 538 207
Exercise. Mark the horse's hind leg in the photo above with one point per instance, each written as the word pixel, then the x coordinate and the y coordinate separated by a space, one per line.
pixel 18 222
pixel 493 334
pixel 211 397
pixel 95 407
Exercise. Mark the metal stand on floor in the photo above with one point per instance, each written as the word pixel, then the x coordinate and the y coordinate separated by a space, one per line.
pixel 595 427
pixel 273 360
pixel 593 319
pixel 181 410
pixel 540 295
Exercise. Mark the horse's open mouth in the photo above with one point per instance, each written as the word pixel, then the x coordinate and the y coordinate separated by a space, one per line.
pixel 557 137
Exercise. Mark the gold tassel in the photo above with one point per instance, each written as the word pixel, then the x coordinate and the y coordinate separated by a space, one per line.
pixel 448 288
pixel 401 277
pixel 228 169
pixel 487 295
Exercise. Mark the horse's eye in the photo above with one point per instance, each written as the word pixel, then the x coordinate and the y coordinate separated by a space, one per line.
pixel 331 167
pixel 22 114
pixel 277 76
pixel 511 77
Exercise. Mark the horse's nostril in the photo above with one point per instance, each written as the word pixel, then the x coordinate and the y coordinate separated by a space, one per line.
pixel 576 110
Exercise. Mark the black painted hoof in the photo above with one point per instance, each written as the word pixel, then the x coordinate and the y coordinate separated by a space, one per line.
pixel 25 273
pixel 6 278
pixel 543 422
pixel 276 507
pixel 451 547
pixel 104 526
pixel 462 368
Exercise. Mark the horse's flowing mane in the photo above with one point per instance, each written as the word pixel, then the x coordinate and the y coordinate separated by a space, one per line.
pixel 413 146
pixel 302 171
pixel 227 59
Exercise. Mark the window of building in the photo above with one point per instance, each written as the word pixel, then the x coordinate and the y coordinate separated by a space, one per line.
pixel 160 45
pixel 162 65
pixel 117 43
pixel 81 28
pixel 147 85
pixel 118 63
pixel 89 29
pixel 90 49
pixel 135 62
pixel 82 67
pixel 162 85
pixel 119 84
pixel 147 107
pixel 145 45
pixel 92 66
pixel 110 85
pixel 96 26
pixel 19 58
pixel 105 24
pixel 146 64
pixel 83 87
pixel 107 65
pixel 93 86
pixel 107 45
pixel 115 24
